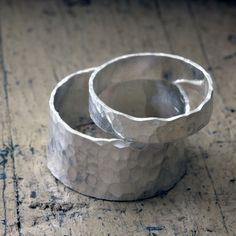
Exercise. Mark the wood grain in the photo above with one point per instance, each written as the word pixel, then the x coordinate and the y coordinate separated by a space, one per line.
pixel 8 181
pixel 42 41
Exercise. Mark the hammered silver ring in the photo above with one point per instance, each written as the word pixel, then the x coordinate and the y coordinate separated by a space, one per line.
pixel 150 97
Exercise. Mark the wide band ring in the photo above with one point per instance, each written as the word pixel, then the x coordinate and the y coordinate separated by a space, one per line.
pixel 150 97
pixel 91 162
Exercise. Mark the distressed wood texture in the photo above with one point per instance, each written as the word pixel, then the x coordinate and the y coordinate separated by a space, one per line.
pixel 42 41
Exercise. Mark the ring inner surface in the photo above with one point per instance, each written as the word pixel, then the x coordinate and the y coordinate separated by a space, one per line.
pixel 71 102
pixel 151 86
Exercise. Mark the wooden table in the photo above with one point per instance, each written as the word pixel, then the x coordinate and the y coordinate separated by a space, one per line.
pixel 42 41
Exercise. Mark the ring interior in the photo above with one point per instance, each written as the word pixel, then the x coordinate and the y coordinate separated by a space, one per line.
pixel 71 103
pixel 151 86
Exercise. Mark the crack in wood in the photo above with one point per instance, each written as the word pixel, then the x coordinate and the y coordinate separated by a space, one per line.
pixel 158 9
pixel 4 154
pixel 4 151
pixel 16 187
pixel 217 201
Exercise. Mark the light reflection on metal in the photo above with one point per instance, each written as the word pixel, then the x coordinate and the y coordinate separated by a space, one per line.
pixel 172 98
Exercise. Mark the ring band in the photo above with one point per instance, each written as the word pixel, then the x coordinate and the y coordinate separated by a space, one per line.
pixel 150 97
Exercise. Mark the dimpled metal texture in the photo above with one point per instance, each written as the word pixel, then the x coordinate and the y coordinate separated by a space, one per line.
pixel 88 160
pixel 150 97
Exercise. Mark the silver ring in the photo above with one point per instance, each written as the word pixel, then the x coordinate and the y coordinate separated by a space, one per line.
pixel 150 97
pixel 91 162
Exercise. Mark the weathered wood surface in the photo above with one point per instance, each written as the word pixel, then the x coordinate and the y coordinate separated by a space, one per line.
pixel 42 41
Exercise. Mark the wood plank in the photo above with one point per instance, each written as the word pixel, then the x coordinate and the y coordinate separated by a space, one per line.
pixel 51 40
pixel 87 218
pixel 209 40
pixel 176 18
pixel 217 31
pixel 9 220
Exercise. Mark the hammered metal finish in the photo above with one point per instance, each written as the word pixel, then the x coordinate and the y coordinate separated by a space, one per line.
pixel 93 163
pixel 150 97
